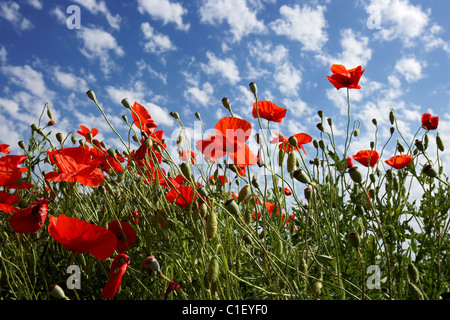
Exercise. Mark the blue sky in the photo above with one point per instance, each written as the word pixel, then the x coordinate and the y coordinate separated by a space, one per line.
pixel 185 56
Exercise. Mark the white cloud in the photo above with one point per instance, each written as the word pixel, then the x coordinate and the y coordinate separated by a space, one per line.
pixel 70 81
pixel 10 11
pixel 288 79
pixel 100 7
pixel 241 19
pixel 166 11
pixel 399 20
pixel 27 78
pixel 156 42
pixel 355 51
pixel 3 55
pixel 37 4
pixel 97 44
pixel 59 14
pixel 224 67
pixel 410 69
pixel 304 24
pixel 200 96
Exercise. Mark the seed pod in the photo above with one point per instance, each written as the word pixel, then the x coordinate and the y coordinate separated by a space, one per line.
pixel 413 273
pixel 213 269
pixel 439 142
pixel 244 192
pixel 415 292
pixel 355 174
pixel 150 264
pixel 354 239
pixel 291 162
pixel 211 225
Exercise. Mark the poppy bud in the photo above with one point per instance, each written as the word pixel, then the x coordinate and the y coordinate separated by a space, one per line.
pixel 111 152
pixel 255 182
pixel 413 273
pixel 293 141
pixel 21 145
pixel 51 123
pixel 303 266
pixel 232 207
pixel 330 122
pixel 49 113
pixel 186 170
pixel 320 113
pixel 149 143
pixel 39 131
pixel 125 118
pixel 355 174
pixel 211 224
pixel 213 269
pixel 226 103
pixel 244 193
pixel 415 292
pixel 315 144
pixel 419 145
pixel 322 144
pixel 247 216
pixel 354 239
pixel 374 121
pixel 126 103
pixel 400 147
pixel 253 88
pixel 308 193
pixel 372 145
pixel 175 115
pixel 197 115
pixel 281 154
pixel 392 130
pixel 59 137
pixel 34 127
pixel 89 136
pixel 317 287
pixel 57 292
pixel 356 133
pixel 320 126
pixel 429 171
pixel 202 192
pixel 150 264
pixel 300 175
pixel 291 162
pixel 439 142
pixel 91 95
pixel 359 225
pixel 391 116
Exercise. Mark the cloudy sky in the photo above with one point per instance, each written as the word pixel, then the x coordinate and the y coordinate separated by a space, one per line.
pixel 185 56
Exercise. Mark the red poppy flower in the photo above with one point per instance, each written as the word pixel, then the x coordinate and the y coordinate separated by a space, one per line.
pixel 364 155
pixel 85 130
pixel 107 162
pixel 302 138
pixel 171 287
pixel 7 201
pixel 182 196
pixel 134 217
pixel 287 192
pixel 188 156
pixel 116 272
pixel 343 78
pixel 31 219
pixel 399 161
pixel 75 165
pixel 4 148
pixel 125 234
pixel 81 236
pixel 340 165
pixel 230 136
pixel 429 122
pixel 141 116
pixel 11 174
pixel 269 111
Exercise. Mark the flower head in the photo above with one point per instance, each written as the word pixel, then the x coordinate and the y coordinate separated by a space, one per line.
pixel 142 119
pixel 301 138
pixel 11 174
pixel 31 219
pixel 399 161
pixel 363 157
pixel 125 234
pixel 343 78
pixel 429 122
pixel 81 236
pixel 269 111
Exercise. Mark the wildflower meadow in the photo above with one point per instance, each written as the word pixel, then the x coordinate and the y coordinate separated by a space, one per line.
pixel 80 220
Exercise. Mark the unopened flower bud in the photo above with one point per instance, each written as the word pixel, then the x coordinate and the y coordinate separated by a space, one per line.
pixel 392 130
pixel 300 175
pixel 73 138
pixel 232 207
pixel 91 95
pixel 111 152
pixel 175 115
pixel 330 122
pixel 126 103
pixel 49 114
pixel 354 239
pixel 356 133
pixel 51 123
pixel 293 141
pixel 320 113
pixel 255 182
pixel 57 292
pixel 315 144
pixel 415 292
pixel 392 116
pixel 213 269
pixel 322 144
pixel 186 170
pixel 291 162
pixel 89 136
pixel 374 121
pixel 355 174
pixel 317 287
pixel 197 115
pixel 281 154
pixel 59 137
pixel 34 127
pixel 226 103
pixel 400 147
pixel 211 224
pixel 419 145
pixel 429 171
pixel 244 193
pixel 320 126
pixel 307 193
pixel 22 145
pixel 150 264
pixel 413 273
pixel 253 88
pixel 439 142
